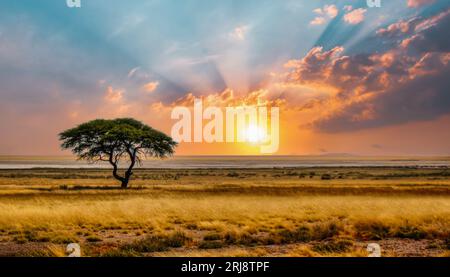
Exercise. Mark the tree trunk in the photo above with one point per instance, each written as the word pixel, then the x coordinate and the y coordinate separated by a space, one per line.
pixel 126 179
pixel 129 171
pixel 123 180
pixel 124 184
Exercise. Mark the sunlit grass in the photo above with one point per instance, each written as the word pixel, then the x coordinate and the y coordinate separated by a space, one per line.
pixel 239 212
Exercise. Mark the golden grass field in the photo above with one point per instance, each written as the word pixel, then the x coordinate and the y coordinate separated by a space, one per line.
pixel 226 212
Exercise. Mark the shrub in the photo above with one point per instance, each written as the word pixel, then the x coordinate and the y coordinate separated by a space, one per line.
pixel 247 239
pixel 233 174
pixel 93 238
pixel 149 244
pixel 372 231
pixel 214 244
pixel 410 232
pixel 61 238
pixel 447 243
pixel 191 226
pixel 157 243
pixel 120 253
pixel 333 246
pixel 177 239
pixel 301 234
pixel 212 236
pixel 230 237
pixel 325 230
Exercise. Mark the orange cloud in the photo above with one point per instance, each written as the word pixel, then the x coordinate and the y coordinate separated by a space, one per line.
pixel 327 12
pixel 399 28
pixel 318 21
pixel 113 95
pixel 430 64
pixel 432 21
pixel 429 34
pixel 150 87
pixel 331 10
pixel 370 87
pixel 355 17
pixel 418 3
pixel 228 98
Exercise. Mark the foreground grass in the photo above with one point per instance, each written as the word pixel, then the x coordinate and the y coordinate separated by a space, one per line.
pixel 270 212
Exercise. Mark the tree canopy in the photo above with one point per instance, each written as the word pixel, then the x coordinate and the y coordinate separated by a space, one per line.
pixel 115 140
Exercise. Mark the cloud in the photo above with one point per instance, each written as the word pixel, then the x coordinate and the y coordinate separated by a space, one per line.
pixel 227 98
pixel 418 3
pixel 319 20
pixel 240 32
pixel 408 82
pixel 430 34
pixel 330 10
pixel 348 8
pixel 138 74
pixel 399 28
pixel 133 71
pixel 325 13
pixel 355 16
pixel 429 64
pixel 150 86
pixel 315 65
pixel 423 98
pixel 113 95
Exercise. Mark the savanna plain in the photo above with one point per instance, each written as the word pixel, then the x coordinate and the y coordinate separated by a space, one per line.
pixel 317 211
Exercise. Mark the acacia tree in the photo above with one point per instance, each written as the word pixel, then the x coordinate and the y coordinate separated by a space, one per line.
pixel 115 140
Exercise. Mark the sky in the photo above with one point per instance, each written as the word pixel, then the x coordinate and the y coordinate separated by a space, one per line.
pixel 347 78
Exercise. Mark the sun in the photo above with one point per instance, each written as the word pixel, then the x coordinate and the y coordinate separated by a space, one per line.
pixel 254 134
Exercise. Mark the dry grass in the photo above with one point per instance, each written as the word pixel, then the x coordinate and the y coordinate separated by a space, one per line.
pixel 288 212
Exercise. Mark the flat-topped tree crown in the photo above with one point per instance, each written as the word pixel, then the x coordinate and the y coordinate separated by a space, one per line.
pixel 117 139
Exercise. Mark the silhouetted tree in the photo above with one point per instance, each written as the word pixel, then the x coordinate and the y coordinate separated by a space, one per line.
pixel 115 140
